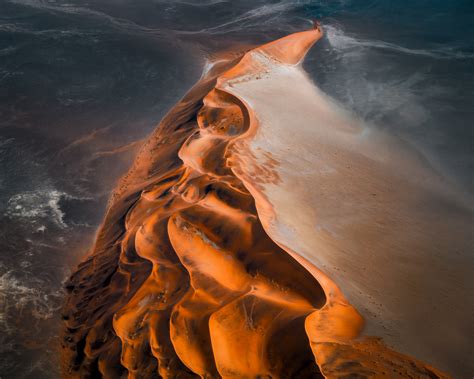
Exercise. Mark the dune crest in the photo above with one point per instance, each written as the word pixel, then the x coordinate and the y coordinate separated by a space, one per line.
pixel 187 278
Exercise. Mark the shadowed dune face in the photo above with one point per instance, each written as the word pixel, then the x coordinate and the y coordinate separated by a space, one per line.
pixel 185 281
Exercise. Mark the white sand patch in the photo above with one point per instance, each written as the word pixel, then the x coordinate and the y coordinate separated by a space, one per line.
pixel 364 209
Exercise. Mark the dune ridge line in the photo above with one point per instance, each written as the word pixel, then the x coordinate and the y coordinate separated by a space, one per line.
pixel 185 278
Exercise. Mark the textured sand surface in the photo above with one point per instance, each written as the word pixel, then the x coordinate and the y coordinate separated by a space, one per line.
pixel 361 206
pixel 230 247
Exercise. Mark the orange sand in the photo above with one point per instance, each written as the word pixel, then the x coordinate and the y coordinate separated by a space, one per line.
pixel 184 281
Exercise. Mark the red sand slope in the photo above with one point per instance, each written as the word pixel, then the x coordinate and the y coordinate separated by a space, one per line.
pixel 183 280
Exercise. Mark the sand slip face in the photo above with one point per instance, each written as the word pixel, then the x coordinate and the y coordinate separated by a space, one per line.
pixel 239 244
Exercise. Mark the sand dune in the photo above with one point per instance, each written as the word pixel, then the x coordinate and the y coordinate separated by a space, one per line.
pixel 209 262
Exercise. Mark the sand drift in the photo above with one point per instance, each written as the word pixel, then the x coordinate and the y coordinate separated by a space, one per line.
pixel 265 232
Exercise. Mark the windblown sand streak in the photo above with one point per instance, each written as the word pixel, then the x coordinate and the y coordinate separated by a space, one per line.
pixel 184 279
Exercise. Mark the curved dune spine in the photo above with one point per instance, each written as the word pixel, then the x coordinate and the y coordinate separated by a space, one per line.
pixel 184 280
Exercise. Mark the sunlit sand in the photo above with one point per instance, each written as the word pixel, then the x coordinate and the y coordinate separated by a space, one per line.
pixel 263 231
